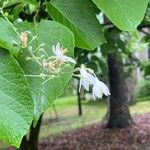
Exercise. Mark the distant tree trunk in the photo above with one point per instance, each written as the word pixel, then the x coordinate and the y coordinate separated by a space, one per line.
pixel 131 84
pixel 32 142
pixel 106 116
pixel 55 111
pixel 119 115
pixel 79 100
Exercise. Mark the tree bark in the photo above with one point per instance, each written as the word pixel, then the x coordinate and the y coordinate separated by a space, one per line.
pixel 32 142
pixel 34 135
pixel 119 115
pixel 24 144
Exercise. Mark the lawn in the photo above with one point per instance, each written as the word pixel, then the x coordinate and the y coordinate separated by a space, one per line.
pixel 67 117
pixel 97 137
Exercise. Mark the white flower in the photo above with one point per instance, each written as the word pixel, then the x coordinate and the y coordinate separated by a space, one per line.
pixel 86 78
pixel 99 88
pixel 59 53
pixel 19 20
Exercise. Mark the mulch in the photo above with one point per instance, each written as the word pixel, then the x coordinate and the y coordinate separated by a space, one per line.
pixel 96 137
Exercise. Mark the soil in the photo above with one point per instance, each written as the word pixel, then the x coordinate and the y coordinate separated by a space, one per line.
pixel 97 137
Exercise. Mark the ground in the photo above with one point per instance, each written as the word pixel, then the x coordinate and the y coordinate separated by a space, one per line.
pixel 96 137
pixel 67 117
pixel 64 118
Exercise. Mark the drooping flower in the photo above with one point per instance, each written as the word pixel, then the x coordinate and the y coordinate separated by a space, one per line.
pixel 59 52
pixel 99 88
pixel 88 78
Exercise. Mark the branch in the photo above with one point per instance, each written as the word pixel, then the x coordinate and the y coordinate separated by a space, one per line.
pixel 141 26
pixel 146 33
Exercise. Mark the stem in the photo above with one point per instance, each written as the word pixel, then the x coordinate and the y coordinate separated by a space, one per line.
pixel 79 100
pixel 3 14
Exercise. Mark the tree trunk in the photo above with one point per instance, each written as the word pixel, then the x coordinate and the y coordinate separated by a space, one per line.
pixel 32 143
pixel 119 115
pixel 34 135
pixel 79 100
pixel 24 144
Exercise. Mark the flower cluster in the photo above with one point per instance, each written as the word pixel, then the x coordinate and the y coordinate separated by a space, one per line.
pixel 60 54
pixel 59 58
pixel 51 65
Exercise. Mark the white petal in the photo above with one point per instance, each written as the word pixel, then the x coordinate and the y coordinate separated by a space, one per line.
pixel 96 91
pixel 59 53
pixel 58 48
pixel 53 49
pixel 87 75
pixel 69 59
pixel 85 84
pixel 99 89
pixel 106 90
pixel 87 79
pixel 90 78
pixel 83 72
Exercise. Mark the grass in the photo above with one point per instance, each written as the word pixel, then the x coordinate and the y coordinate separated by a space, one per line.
pixel 67 117
pixel 143 98
pixel 140 108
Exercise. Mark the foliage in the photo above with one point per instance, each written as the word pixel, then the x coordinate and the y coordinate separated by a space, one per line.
pixel 143 90
pixel 123 13
pixel 16 106
pixel 147 69
pixel 84 24
pixel 26 42
pixel 54 86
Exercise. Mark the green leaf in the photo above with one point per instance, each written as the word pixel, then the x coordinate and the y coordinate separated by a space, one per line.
pixel 10 3
pixel 13 2
pixel 30 1
pixel 48 33
pixel 79 17
pixel 147 69
pixel 125 14
pixel 8 36
pixel 16 105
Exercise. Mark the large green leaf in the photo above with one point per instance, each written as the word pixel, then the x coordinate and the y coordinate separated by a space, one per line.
pixel 16 105
pixel 125 14
pixel 8 37
pixel 49 33
pixel 79 17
